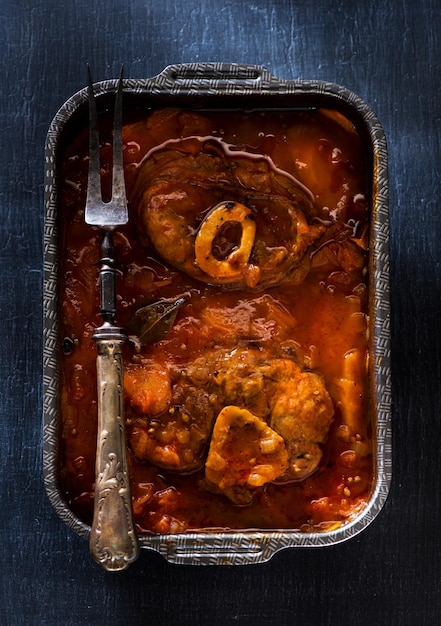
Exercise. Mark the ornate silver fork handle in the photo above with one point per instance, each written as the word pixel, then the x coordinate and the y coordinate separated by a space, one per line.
pixel 113 540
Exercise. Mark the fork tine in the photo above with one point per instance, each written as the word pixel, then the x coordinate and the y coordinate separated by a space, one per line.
pixel 111 214
pixel 94 179
pixel 118 184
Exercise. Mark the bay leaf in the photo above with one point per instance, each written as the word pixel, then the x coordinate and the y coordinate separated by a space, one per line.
pixel 154 321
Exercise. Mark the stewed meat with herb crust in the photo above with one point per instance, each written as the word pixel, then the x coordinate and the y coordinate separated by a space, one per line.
pixel 173 413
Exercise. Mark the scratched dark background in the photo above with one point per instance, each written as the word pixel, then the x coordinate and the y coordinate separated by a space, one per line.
pixel 389 53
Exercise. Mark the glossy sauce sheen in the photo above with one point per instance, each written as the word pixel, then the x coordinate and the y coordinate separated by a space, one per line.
pixel 325 315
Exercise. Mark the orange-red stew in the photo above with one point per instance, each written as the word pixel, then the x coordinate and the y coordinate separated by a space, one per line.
pixel 249 407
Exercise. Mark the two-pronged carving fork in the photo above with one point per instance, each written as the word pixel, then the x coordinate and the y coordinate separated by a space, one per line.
pixel 113 540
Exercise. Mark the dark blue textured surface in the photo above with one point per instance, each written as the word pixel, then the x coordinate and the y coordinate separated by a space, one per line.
pixel 389 53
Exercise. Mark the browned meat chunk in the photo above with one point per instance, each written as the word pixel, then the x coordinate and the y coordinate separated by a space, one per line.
pixel 169 422
pixel 301 412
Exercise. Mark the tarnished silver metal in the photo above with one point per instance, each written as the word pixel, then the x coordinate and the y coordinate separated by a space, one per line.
pixel 113 540
pixel 98 213
pixel 231 86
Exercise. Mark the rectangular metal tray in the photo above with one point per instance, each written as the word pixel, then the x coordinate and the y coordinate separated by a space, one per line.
pixel 223 86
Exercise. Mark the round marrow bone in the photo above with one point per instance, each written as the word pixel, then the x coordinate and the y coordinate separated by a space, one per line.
pixel 244 453
pixel 233 265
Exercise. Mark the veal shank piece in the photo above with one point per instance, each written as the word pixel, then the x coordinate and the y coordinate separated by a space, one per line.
pixel 225 216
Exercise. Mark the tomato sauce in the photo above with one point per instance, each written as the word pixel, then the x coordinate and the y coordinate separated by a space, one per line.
pixel 325 318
